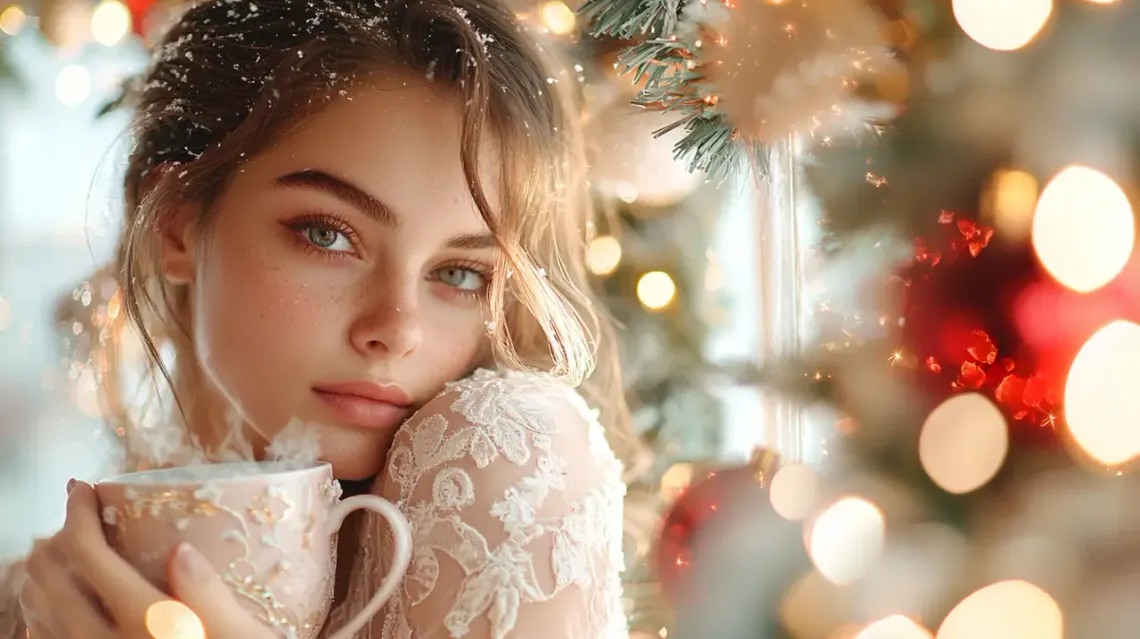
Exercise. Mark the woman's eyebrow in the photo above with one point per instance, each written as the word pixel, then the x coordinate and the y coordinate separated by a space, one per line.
pixel 472 241
pixel 343 190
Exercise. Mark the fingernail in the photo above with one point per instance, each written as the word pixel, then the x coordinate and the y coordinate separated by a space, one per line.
pixel 70 485
pixel 191 563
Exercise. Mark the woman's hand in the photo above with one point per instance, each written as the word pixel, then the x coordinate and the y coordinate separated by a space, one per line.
pixel 78 587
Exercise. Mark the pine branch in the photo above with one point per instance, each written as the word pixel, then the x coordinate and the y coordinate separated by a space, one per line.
pixel 628 19
pixel 672 81
pixel 713 146
pixel 661 67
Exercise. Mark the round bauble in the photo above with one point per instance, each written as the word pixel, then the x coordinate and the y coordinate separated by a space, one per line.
pixel 630 164
pixel 777 68
pixel 712 495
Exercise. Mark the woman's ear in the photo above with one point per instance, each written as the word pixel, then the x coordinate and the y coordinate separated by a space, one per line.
pixel 177 246
pixel 177 237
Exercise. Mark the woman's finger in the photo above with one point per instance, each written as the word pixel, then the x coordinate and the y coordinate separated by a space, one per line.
pixel 123 591
pixel 56 602
pixel 36 630
pixel 195 583
pixel 32 603
pixel 75 612
pixel 35 605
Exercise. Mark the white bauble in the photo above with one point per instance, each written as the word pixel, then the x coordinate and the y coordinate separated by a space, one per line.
pixel 628 163
pixel 789 66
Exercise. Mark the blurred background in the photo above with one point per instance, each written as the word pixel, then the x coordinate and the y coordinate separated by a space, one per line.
pixel 57 222
pixel 874 265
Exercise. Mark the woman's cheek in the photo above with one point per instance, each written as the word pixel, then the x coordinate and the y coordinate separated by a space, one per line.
pixel 265 294
pixel 303 308
pixel 457 334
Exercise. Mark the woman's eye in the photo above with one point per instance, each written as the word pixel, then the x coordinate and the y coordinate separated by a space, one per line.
pixel 462 278
pixel 327 238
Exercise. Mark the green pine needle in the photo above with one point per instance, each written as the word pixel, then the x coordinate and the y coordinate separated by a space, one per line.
pixel 632 18
pixel 662 65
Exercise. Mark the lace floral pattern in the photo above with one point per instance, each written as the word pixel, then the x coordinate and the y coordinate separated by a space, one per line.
pixel 515 503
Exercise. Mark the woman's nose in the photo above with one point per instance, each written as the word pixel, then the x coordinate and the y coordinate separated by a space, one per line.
pixel 389 326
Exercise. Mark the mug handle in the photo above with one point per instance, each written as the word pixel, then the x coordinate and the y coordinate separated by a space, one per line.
pixel 401 557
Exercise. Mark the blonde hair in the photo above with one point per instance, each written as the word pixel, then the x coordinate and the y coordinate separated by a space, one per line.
pixel 228 78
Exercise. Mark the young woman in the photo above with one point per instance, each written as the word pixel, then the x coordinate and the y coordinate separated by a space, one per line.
pixel 366 216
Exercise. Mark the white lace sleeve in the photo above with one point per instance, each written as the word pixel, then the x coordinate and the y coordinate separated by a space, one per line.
pixel 515 502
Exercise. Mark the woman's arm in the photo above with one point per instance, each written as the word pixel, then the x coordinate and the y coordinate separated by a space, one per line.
pixel 515 501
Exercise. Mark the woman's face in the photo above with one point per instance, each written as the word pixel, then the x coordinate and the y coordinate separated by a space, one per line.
pixel 343 281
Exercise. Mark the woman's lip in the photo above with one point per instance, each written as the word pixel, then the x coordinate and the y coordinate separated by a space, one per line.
pixel 368 389
pixel 363 412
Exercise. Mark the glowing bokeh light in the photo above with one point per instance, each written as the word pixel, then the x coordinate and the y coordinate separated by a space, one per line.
pixel 655 290
pixel 1083 229
pixel 1002 25
pixel 558 17
pixel 604 255
pixel 846 540
pixel 1100 407
pixel 1011 199
pixel 1004 610
pixel 894 627
pixel 12 19
pixel 794 491
pixel 110 22
pixel 171 619
pixel 963 443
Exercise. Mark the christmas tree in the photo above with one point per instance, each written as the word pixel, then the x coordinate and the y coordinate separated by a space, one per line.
pixel 983 155
pixel 649 258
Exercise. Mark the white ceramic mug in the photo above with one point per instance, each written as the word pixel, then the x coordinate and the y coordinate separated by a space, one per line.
pixel 269 528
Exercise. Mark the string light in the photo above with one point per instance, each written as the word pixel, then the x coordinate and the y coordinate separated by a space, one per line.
pixel 1083 229
pixel 894 627
pixel 13 19
pixel 656 290
pixel 1100 406
pixel 1004 610
pixel 1003 25
pixel 558 17
pixel 604 255
pixel 110 22
pixel 171 619
pixel 963 443
pixel 1009 201
pixel 846 540
pixel 794 491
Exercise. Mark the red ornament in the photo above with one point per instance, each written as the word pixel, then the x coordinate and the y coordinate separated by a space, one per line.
pixel 960 324
pixel 990 319
pixel 707 498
